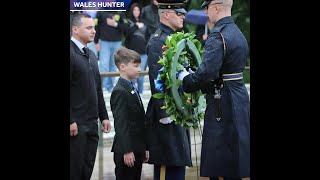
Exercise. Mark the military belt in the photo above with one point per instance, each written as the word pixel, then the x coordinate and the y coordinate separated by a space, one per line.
pixel 233 76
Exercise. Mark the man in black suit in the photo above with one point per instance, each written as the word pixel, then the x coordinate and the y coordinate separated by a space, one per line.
pixel 129 144
pixel 86 100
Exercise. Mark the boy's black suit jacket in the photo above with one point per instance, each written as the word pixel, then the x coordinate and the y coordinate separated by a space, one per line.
pixel 129 119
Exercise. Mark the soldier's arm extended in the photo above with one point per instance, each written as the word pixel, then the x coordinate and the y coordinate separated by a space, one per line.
pixel 209 68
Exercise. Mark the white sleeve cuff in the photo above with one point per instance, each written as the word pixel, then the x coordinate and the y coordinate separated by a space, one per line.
pixel 183 74
pixel 166 120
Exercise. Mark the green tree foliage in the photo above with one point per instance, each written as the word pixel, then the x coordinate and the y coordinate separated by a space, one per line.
pixel 241 15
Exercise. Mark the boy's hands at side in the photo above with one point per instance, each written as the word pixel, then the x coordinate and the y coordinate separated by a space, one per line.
pixel 129 159
pixel 73 129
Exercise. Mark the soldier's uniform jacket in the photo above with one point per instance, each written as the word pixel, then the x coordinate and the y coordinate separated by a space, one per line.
pixel 169 144
pixel 225 143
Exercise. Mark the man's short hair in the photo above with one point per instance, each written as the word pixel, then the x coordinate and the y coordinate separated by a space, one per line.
pixel 125 55
pixel 76 18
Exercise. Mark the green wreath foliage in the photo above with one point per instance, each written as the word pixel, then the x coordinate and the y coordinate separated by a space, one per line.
pixel 187 108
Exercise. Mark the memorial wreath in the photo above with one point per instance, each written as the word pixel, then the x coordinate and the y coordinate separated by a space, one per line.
pixel 180 51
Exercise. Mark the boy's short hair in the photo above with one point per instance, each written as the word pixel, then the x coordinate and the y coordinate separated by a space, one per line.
pixel 125 55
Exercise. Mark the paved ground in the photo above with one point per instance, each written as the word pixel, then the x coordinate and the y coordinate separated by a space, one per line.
pixel 104 167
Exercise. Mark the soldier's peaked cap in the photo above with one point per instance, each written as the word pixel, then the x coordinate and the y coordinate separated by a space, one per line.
pixel 177 5
pixel 206 2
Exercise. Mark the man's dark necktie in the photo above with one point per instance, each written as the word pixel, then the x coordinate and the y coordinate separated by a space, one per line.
pixel 86 51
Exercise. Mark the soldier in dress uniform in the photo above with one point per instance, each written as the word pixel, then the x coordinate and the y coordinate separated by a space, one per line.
pixel 169 144
pixel 226 135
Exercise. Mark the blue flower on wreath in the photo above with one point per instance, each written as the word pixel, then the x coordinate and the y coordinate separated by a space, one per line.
pixel 159 84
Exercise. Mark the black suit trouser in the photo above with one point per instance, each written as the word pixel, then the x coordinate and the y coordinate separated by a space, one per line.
pixel 225 178
pixel 123 172
pixel 83 150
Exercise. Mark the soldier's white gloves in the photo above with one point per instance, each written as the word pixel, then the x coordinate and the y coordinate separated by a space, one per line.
pixel 165 120
pixel 190 71
pixel 182 74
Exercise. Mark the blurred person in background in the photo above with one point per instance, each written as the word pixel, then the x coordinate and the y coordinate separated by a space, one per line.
pixel 108 38
pixel 150 16
pixel 202 33
pixel 92 45
pixel 136 39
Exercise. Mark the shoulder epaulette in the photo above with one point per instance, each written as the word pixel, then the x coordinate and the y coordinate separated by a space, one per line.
pixel 157 33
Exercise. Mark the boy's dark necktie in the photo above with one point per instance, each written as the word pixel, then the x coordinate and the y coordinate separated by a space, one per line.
pixel 137 93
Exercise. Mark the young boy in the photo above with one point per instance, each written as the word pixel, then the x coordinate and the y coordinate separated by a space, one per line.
pixel 129 145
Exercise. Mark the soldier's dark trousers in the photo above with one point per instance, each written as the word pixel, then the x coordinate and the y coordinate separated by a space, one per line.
pixel 83 150
pixel 171 172
pixel 225 178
